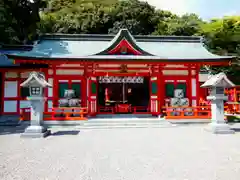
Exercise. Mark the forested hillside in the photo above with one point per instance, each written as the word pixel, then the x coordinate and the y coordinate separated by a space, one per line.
pixel 22 21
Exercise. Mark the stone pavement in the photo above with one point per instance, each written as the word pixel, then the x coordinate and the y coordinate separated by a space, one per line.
pixel 181 153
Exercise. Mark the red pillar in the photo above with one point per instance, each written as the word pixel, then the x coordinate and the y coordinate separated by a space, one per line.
pixel 84 86
pixel 45 71
pixel 161 89
pixel 55 86
pixel 189 85
pixel 2 92
pixel 197 85
pixel 18 92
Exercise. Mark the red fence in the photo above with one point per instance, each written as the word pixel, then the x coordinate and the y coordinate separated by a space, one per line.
pixel 123 108
pixel 58 113
pixel 199 112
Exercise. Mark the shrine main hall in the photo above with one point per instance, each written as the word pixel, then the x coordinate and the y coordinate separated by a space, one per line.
pixel 110 74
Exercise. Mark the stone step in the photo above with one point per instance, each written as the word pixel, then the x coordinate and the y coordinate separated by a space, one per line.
pixel 106 116
pixel 129 123
pixel 9 120
pixel 122 126
pixel 112 123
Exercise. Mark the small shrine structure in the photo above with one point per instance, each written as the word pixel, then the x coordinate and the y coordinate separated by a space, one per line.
pixel 217 84
pixel 111 74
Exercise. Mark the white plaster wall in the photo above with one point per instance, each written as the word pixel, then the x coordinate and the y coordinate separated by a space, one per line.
pixel 194 88
pixel 203 77
pixel 140 70
pixel 63 81
pixel 25 74
pixel 194 102
pixel 102 70
pixel 193 72
pixel 25 104
pixel 69 71
pixel 70 65
pixel 153 78
pixel 11 75
pixel 169 80
pixel 50 71
pixel 10 89
pixel 109 65
pixel 175 72
pixel 175 66
pixel 10 106
pixel 50 90
pixel 181 80
pixel 50 105
pixel 137 65
pixel 76 81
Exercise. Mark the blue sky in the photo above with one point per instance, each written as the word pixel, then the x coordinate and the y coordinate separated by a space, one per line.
pixel 206 9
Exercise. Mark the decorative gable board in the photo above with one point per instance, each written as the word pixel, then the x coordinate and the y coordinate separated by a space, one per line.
pixel 123 44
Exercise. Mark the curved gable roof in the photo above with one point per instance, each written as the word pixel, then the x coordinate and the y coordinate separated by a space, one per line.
pixel 104 47
pixel 123 39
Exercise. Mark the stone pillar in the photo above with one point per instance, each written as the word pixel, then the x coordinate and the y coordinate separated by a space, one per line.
pixel 217 84
pixel 36 83
pixel 218 124
pixel 36 129
pixel 217 107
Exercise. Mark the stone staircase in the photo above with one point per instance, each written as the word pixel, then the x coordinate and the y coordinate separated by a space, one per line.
pixel 9 120
pixel 115 121
pixel 124 123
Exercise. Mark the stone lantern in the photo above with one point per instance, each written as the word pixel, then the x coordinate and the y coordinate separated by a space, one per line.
pixel 36 83
pixel 217 84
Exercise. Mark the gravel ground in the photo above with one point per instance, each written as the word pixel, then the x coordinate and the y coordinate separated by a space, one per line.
pixel 180 153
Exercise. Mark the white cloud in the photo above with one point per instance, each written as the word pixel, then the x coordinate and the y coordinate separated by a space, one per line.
pixel 232 13
pixel 179 7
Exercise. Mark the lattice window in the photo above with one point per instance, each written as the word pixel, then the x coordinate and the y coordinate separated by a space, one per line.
pixel 24 92
pixel 169 89
pixel 61 89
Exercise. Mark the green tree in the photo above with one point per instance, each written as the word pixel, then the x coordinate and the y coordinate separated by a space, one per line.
pixel 222 37
pixel 186 25
pixel 163 18
pixel 137 16
pixel 18 20
pixel 8 34
pixel 57 5
pixel 76 17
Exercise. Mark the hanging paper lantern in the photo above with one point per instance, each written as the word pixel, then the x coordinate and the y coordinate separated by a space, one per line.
pixel 106 95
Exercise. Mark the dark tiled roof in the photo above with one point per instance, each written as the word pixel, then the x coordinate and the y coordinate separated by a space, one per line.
pixel 89 47
pixel 11 49
pixel 109 37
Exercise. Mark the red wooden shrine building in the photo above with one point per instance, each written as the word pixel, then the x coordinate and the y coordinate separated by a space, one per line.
pixel 111 73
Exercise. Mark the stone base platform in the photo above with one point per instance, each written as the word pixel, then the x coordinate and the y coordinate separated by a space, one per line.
pixel 35 132
pixel 220 128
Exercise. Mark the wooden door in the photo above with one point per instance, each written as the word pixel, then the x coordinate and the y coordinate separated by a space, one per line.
pixel 92 95
pixel 154 96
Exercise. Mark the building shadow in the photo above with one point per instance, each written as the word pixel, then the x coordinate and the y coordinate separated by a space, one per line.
pixel 236 129
pixel 63 133
pixel 6 130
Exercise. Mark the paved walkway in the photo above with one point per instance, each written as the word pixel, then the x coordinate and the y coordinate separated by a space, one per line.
pixel 178 153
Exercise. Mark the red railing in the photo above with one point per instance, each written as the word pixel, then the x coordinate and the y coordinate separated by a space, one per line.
pixel 106 110
pixel 141 110
pixel 123 109
pixel 67 113
pixel 233 100
pixel 58 113
pixel 200 112
pixel 25 114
